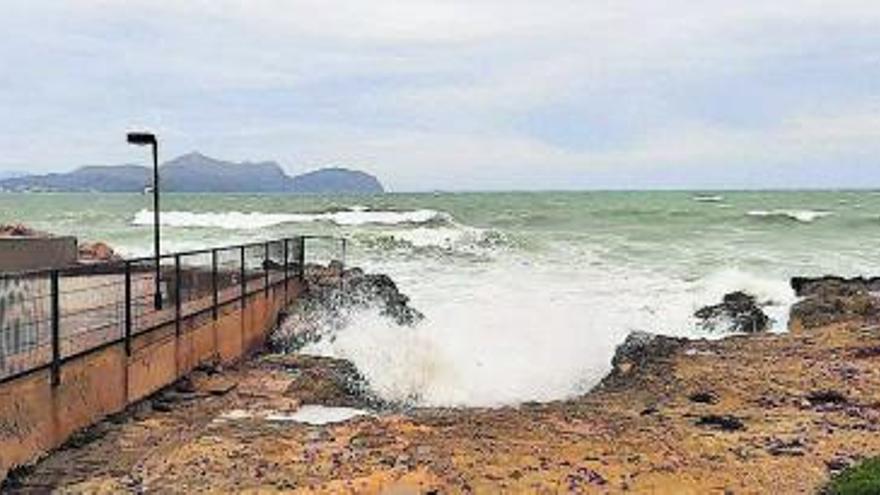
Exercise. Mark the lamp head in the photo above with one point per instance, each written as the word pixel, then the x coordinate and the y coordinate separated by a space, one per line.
pixel 141 138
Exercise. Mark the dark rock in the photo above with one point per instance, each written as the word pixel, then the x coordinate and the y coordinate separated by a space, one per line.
pixel 829 300
pixel 641 348
pixel 704 398
pixel 723 423
pixel 807 286
pixel 778 447
pixel 161 406
pixel 332 296
pixel 738 312
pixel 866 352
pixel 826 398
pixel 840 463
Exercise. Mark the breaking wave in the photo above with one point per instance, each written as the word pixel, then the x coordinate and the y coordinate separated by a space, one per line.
pixel 235 220
pixel 515 333
pixel 803 216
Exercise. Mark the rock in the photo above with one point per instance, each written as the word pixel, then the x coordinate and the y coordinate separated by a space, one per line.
pixel 827 398
pixel 738 312
pixel 840 463
pixel 325 381
pixel 332 296
pixel 704 397
pixel 97 252
pixel 830 284
pixel 19 230
pixel 829 300
pixel 641 348
pixel 719 422
pixel 778 447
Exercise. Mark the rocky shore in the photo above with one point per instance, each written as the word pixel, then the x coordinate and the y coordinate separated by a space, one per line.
pixel 750 413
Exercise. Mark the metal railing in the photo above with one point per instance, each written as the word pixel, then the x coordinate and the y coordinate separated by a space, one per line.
pixel 50 317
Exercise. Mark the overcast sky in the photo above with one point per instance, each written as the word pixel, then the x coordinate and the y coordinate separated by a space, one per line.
pixel 448 94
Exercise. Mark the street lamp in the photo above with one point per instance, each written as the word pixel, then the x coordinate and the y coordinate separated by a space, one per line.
pixel 149 139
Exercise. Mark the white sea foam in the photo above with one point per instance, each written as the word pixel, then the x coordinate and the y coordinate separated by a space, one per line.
pixel 235 220
pixel 709 199
pixel 515 332
pixel 804 216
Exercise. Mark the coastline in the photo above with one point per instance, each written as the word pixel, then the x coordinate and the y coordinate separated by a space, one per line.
pixel 743 414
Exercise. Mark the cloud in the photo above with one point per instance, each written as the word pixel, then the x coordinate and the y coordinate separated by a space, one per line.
pixel 451 94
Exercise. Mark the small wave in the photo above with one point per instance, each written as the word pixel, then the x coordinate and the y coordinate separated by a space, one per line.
pixel 235 220
pixel 708 199
pixel 803 216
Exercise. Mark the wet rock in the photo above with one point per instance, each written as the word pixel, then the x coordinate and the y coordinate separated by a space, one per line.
pixel 829 300
pixel 332 298
pixel 829 284
pixel 738 312
pixel 721 422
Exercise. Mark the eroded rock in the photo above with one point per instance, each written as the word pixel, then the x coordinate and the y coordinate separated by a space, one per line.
pixel 97 252
pixel 738 312
pixel 829 300
pixel 332 297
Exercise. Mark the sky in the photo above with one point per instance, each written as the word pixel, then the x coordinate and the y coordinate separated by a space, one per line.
pixel 455 95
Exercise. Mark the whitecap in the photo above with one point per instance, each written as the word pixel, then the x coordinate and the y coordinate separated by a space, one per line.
pixel 803 216
pixel 708 199
pixel 236 220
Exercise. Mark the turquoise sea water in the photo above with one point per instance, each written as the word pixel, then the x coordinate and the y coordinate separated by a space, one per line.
pixel 526 293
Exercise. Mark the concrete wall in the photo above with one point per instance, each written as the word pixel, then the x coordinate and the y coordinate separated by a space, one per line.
pixel 36 417
pixel 35 253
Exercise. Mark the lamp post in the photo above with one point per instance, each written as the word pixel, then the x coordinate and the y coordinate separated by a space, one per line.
pixel 149 139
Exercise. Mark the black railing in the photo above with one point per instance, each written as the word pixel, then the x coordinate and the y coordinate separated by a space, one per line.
pixel 50 317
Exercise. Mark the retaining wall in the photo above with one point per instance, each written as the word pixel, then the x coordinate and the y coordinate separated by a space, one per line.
pixel 36 253
pixel 37 417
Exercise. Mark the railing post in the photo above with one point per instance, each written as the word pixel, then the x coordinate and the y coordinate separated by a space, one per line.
pixel 266 269
pixel 128 312
pixel 56 329
pixel 243 279
pixel 177 297
pixel 344 251
pixel 286 268
pixel 216 300
pixel 301 258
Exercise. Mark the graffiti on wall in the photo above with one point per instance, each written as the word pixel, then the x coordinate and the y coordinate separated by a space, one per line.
pixel 24 315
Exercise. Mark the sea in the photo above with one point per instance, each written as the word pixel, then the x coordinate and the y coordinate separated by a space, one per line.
pixel 526 294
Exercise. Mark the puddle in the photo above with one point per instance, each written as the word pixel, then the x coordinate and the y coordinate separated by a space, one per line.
pixel 311 415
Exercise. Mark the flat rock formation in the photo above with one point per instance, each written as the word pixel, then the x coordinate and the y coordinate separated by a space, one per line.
pixel 756 413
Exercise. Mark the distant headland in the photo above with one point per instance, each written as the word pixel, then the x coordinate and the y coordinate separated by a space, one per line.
pixel 195 172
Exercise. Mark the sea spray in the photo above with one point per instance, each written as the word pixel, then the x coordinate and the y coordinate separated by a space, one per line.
pixel 512 333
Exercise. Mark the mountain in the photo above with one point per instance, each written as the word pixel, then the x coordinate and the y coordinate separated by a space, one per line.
pixel 330 180
pixel 195 172
pixel 120 178
pixel 9 174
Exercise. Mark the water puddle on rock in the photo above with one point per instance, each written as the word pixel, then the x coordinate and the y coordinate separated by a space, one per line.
pixel 314 415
